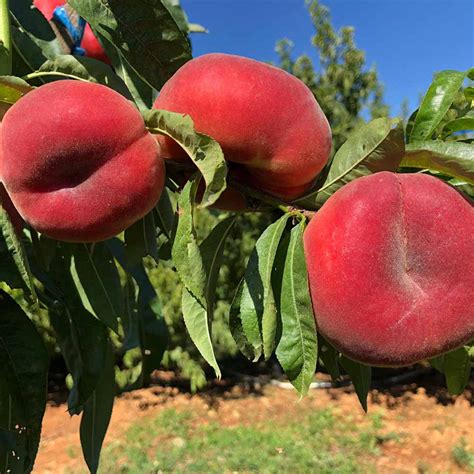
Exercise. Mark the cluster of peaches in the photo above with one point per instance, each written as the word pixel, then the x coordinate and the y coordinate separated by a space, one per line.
pixel 389 256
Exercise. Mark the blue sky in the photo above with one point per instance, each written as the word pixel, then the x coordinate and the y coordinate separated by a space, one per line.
pixel 408 40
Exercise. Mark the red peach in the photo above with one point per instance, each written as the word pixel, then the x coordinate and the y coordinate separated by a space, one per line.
pixel 78 162
pixel 266 120
pixel 390 260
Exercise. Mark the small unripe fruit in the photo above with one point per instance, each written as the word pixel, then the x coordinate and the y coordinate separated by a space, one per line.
pixel 390 263
pixel 266 120
pixel 78 162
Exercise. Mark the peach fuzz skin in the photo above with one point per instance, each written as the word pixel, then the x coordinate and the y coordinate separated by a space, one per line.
pixel 389 261
pixel 266 120
pixel 78 162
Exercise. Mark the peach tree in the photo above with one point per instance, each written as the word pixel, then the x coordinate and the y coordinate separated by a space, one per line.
pixel 367 227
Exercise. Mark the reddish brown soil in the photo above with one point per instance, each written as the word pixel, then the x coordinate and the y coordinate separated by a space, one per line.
pixel 427 422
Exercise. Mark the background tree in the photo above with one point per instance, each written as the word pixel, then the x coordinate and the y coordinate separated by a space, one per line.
pixel 345 88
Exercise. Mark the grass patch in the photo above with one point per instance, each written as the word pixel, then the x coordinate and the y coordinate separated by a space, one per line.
pixel 463 456
pixel 181 442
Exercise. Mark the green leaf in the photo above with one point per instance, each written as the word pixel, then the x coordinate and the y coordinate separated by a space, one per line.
pixel 153 332
pixel 456 367
pixel 165 213
pixel 460 124
pixel 12 89
pixel 14 262
pixel 154 336
pixel 83 69
pixel 436 103
pixel 186 253
pixel 454 159
pixel 23 385
pixel 198 318
pixel 258 310
pixel 142 93
pixel 212 250
pixel 329 357
pixel 205 152
pixel 140 240
pixel 376 146
pixel 38 29
pixel 195 318
pixel 97 413
pixel 297 350
pixel 81 337
pixel 236 328
pixel 98 283
pixel 469 93
pixel 144 32
pixel 27 56
pixel 361 376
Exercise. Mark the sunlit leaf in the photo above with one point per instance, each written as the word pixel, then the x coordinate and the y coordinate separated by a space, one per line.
pixel 297 349
pixel 436 103
pixel 258 310
pixel 376 146
pixel 452 158
pixel 205 152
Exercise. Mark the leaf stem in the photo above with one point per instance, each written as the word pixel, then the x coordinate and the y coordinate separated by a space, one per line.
pixel 5 40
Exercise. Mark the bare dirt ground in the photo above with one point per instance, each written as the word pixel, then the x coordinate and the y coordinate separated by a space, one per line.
pixel 427 422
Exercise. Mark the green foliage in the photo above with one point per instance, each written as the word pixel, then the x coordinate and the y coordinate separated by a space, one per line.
pixel 344 88
pixel 376 146
pixel 462 455
pixel 23 382
pixel 166 292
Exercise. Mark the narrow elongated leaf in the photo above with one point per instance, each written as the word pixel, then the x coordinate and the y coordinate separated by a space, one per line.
pixel 454 159
pixel 154 336
pixel 181 19
pixel 329 357
pixel 195 318
pixel 83 342
pixel 152 329
pixel 435 104
pixel 456 367
pixel 236 328
pixel 297 350
pixel 212 250
pixel 12 89
pixel 165 213
pixel 26 54
pixel 83 69
pixel 97 413
pixel 464 123
pixel 198 318
pixel 205 152
pixel 82 337
pixel 14 260
pixel 361 376
pixel 186 253
pixel 98 282
pixel 35 25
pixel 376 146
pixel 144 32
pixel 140 240
pixel 258 311
pixel 23 385
pixel 142 93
